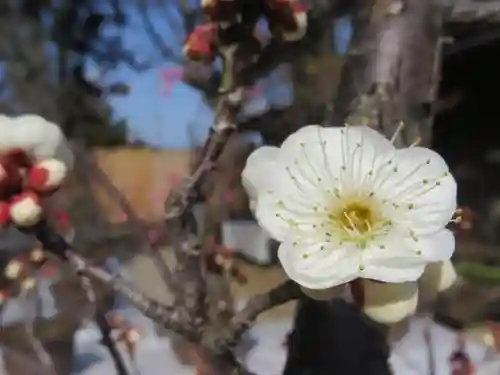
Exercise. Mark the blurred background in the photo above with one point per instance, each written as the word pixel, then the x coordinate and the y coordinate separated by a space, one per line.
pixel 110 73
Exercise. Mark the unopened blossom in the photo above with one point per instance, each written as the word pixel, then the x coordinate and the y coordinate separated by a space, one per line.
pixel 347 205
pixel 34 162
pixel 437 278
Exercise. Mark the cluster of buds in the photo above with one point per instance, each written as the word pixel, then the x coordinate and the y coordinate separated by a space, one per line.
pixel 17 272
pixel 231 34
pixel 287 19
pixel 200 45
pixel 23 182
pixel 34 161
pixel 222 257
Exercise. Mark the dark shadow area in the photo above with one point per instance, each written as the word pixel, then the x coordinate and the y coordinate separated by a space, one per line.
pixel 467 129
pixel 356 346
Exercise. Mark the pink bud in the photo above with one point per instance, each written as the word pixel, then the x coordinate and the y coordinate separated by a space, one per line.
pixel 4 212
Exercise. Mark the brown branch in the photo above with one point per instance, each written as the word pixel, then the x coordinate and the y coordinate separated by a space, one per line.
pixel 189 299
pixel 283 293
pixel 182 199
pixel 158 312
pixel 390 68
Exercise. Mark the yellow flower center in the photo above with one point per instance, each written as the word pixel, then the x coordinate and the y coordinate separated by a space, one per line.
pixel 356 221
pixel 356 217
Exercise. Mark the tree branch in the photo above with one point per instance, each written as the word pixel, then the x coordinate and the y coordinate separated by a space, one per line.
pixel 283 293
pixel 158 312
pixel 388 76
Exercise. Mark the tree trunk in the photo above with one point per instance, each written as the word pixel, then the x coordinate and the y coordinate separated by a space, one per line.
pixel 389 77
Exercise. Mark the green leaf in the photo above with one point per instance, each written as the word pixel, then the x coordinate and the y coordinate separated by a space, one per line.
pixel 481 273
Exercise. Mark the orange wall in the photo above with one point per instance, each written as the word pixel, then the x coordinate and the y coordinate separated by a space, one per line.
pixel 143 176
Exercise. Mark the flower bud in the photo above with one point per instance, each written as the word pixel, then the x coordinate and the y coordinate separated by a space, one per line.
pixel 25 210
pixel 437 278
pixel 389 303
pixel 13 269
pixel 47 175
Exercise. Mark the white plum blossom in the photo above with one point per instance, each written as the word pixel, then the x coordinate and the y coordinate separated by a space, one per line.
pixel 43 139
pixel 346 205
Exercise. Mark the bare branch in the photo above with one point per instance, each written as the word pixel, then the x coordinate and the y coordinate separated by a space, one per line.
pixel 183 198
pixel 158 312
pixel 283 293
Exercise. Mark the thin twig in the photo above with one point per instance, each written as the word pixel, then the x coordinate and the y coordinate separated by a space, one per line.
pixel 182 199
pixel 158 312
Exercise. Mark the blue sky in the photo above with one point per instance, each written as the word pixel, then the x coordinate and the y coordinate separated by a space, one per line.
pixel 180 119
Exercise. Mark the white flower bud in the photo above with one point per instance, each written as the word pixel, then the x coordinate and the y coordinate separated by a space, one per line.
pixel 437 278
pixel 389 303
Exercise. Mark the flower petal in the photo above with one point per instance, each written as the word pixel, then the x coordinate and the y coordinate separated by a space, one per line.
pixel 390 303
pixel 402 259
pixel 319 265
pixel 298 185
pixel 421 188
pixel 302 155
pixel 268 217
pixel 435 247
pixel 282 210
pixel 286 200
pixel 335 155
pixel 258 168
